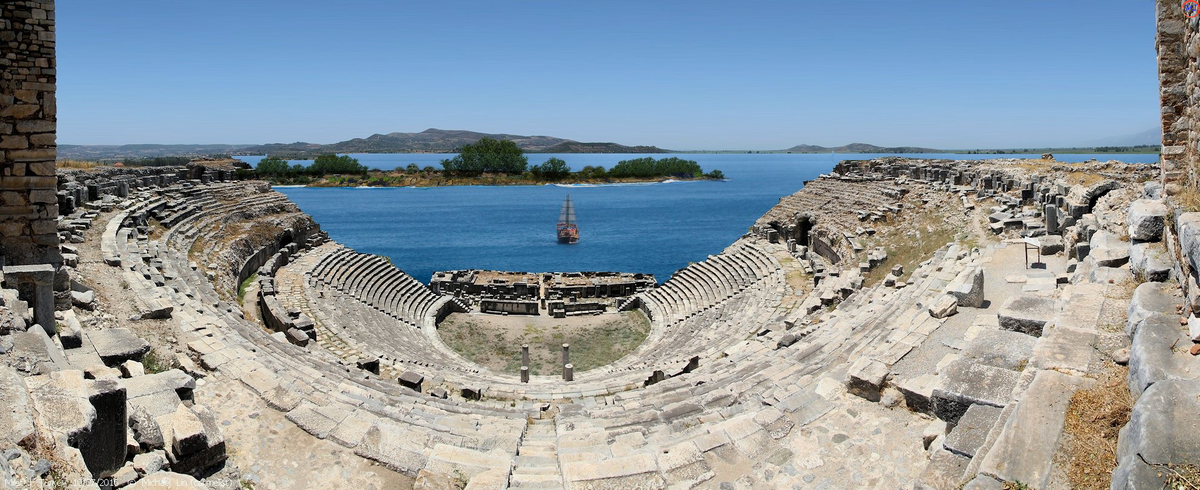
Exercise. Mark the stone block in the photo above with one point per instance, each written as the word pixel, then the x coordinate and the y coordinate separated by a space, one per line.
pixel 1153 354
pixel 116 345
pixel 1000 348
pixel 1148 299
pixel 917 392
pixel 1027 313
pixel 1149 262
pixel 944 306
pixel 145 429
pixel 1158 434
pixel 412 381
pixel 963 383
pixel 967 287
pixel 104 447
pixel 148 463
pixel 866 378
pixel 945 470
pixel 1051 244
pixel 16 413
pixel 1147 218
pixel 971 430
pixel 1107 250
pixel 32 352
pixel 196 441
pixel 1025 448
pixel 394 446
pixel 297 336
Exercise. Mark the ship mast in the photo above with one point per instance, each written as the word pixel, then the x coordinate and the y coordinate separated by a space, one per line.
pixel 567 215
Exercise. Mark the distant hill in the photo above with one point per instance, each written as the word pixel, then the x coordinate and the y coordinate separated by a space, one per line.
pixel 860 148
pixel 1152 136
pixel 116 152
pixel 577 147
pixel 441 141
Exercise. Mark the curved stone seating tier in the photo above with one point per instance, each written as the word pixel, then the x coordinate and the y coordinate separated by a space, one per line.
pixel 354 317
pixel 712 380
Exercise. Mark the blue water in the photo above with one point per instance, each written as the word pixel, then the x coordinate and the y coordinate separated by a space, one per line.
pixel 655 228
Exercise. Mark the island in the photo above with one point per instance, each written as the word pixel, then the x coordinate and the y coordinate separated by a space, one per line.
pixel 485 162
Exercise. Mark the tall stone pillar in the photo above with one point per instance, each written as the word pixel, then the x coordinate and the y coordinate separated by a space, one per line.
pixel 524 363
pixel 566 354
pixel 28 119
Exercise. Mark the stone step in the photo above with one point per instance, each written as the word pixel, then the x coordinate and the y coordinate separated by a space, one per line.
pixel 520 480
pixel 530 460
pixel 536 469
pixel 1025 449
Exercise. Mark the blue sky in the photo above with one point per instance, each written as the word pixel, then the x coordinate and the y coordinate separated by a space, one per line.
pixel 680 75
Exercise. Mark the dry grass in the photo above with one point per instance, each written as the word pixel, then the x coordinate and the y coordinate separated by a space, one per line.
pixel 1093 419
pixel 495 341
pixel 1180 477
pixel 76 164
pixel 1084 178
pixel 1048 166
pixel 1188 198
pixel 913 238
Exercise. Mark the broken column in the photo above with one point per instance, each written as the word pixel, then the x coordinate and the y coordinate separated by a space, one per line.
pixel 568 372
pixel 1050 212
pixel 566 354
pixel 524 363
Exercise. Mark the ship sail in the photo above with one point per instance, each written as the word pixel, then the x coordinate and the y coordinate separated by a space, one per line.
pixel 568 231
pixel 567 215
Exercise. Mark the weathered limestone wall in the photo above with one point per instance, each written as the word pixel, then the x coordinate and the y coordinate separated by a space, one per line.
pixel 28 116
pixel 1178 46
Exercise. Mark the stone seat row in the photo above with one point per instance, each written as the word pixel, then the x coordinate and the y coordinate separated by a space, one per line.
pixel 376 282
pixel 705 284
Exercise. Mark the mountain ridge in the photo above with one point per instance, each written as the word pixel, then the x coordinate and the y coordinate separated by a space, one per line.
pixel 434 140
pixel 860 148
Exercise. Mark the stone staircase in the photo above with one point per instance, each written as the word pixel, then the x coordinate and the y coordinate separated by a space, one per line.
pixel 536 464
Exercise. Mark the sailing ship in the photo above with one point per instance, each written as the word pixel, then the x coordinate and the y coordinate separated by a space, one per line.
pixel 568 232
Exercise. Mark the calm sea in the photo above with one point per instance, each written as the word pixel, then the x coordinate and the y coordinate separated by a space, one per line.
pixel 655 228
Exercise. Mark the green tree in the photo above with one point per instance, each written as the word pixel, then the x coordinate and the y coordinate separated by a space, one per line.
pixel 336 164
pixel 428 169
pixel 649 167
pixel 716 174
pixel 554 168
pixel 411 169
pixel 273 166
pixel 488 156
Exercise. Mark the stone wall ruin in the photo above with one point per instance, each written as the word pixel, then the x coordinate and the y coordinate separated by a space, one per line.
pixel 1178 47
pixel 28 116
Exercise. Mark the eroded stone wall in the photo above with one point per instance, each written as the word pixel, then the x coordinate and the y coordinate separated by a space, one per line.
pixel 1178 47
pixel 27 133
